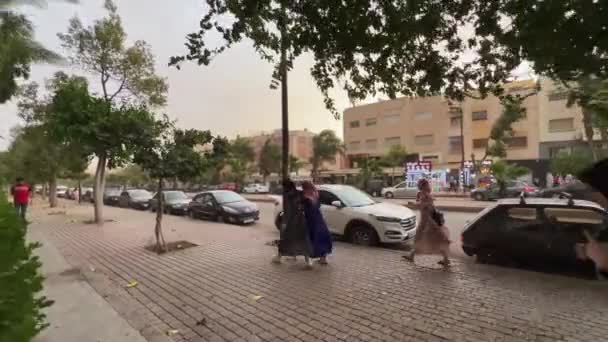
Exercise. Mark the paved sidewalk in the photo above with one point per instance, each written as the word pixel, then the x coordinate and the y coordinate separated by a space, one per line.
pixel 226 290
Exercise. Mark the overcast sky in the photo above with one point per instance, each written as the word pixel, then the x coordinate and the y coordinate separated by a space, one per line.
pixel 229 97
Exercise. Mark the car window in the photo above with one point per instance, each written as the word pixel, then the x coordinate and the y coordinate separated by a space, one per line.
pixel 574 215
pixel 326 197
pixel 520 219
pixel 522 213
pixel 207 199
pixel 228 197
pixel 124 194
pixel 353 197
pixel 175 195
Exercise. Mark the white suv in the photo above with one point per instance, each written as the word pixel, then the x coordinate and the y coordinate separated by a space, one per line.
pixel 256 189
pixel 353 214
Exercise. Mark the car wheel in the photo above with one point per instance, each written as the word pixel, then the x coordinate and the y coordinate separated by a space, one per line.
pixel 364 236
pixel 374 193
pixel 483 257
pixel 389 195
pixel 192 214
pixel 478 196
pixel 220 219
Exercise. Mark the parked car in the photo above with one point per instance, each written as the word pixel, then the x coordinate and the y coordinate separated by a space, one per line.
pixel 61 191
pixel 88 195
pixel 575 190
pixel 537 232
pixel 256 188
pixel 228 186
pixel 400 190
pixel 513 189
pixel 111 196
pixel 223 205
pixel 135 198
pixel 351 213
pixel 175 202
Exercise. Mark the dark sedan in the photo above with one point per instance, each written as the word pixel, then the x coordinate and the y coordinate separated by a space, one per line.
pixel 513 189
pixel 135 198
pixel 175 202
pixel 575 190
pixel 111 196
pixel 223 205
pixel 542 233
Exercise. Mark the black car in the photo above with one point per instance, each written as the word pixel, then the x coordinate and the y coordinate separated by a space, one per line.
pixel 537 232
pixel 175 202
pixel 223 205
pixel 135 198
pixel 111 196
pixel 512 189
pixel 575 190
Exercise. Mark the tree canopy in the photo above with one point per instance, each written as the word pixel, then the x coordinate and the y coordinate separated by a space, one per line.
pixel 325 146
pixel 270 158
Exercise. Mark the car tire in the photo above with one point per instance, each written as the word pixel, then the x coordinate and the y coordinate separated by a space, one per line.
pixel 478 196
pixel 483 257
pixel 363 235
pixel 389 195
pixel 220 219
pixel 192 215
pixel 374 193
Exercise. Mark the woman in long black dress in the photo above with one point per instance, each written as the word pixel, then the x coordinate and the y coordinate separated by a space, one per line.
pixel 320 237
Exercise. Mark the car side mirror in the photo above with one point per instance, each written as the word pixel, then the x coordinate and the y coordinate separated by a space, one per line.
pixel 337 204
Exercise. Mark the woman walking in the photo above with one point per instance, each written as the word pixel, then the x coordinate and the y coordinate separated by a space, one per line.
pixel 320 237
pixel 432 236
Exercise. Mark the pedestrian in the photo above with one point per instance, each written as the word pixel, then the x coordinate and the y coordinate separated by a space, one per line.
pixel 556 180
pixel 432 236
pixel 21 196
pixel 320 237
pixel 294 236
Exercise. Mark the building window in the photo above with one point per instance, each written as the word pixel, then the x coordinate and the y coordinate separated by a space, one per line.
pixel 517 142
pixel 455 145
pixel 370 122
pixel 558 96
pixel 455 121
pixel 480 115
pixel 423 139
pixel 480 143
pixel 423 116
pixel 432 158
pixel 354 124
pixel 354 145
pixel 556 151
pixel 371 144
pixel 388 142
pixel 561 125
pixel 392 118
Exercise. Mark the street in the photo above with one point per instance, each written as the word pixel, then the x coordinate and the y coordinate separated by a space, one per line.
pixel 226 289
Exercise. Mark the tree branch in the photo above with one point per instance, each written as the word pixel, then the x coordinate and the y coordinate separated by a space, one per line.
pixel 122 85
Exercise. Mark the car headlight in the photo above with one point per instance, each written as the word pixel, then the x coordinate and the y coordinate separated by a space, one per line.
pixel 387 219
pixel 229 210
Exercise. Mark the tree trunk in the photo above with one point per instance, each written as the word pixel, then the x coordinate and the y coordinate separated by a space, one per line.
pixel 45 188
pixel 53 192
pixel 158 229
pixel 284 101
pixel 99 187
pixel 79 191
pixel 588 126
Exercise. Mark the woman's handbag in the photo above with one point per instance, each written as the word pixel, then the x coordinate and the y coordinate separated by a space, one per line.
pixel 438 217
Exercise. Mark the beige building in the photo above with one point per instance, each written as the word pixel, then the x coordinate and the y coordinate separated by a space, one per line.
pixel 426 126
pixel 300 146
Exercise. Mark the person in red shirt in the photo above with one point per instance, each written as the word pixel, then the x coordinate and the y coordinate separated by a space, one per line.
pixel 21 196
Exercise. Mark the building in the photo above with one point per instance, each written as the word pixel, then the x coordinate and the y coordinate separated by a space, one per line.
pixel 300 146
pixel 429 128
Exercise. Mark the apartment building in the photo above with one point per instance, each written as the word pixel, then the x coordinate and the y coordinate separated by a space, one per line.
pixel 428 128
pixel 300 146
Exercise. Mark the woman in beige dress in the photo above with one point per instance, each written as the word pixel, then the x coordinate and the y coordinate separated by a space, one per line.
pixel 431 238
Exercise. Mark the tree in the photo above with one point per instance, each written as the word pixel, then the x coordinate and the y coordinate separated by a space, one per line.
pixel 505 172
pixel 325 146
pixel 571 163
pixel 133 175
pixel 171 154
pixel 127 76
pixel 107 131
pixel 18 48
pixel 295 164
pixel 240 148
pixel 369 168
pixel 395 157
pixel 219 158
pixel 270 159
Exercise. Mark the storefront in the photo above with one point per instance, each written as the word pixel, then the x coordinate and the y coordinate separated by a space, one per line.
pixel 414 171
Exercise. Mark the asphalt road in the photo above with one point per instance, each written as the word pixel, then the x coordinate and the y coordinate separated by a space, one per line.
pixel 455 222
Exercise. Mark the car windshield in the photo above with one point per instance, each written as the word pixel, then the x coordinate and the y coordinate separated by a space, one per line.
pixel 112 192
pixel 228 197
pixel 175 195
pixel 140 194
pixel 353 197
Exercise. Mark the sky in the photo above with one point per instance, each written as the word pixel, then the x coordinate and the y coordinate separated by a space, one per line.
pixel 229 97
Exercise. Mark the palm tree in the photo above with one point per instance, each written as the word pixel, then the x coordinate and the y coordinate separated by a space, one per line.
pixel 295 164
pixel 505 172
pixel 270 159
pixel 369 168
pixel 18 49
pixel 395 157
pixel 325 146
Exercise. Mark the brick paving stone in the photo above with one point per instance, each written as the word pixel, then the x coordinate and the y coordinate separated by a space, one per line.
pixel 365 294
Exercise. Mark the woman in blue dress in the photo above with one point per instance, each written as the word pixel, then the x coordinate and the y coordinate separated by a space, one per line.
pixel 320 237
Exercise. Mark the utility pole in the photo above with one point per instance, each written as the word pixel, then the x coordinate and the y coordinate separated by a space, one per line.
pixel 284 102
pixel 456 112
